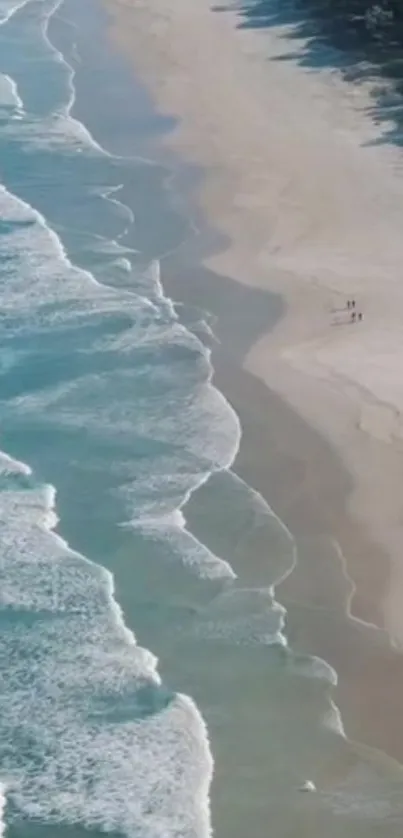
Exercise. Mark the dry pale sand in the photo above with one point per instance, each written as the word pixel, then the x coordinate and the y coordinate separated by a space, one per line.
pixel 312 211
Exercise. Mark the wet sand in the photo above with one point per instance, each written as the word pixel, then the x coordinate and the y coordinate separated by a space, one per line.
pixel 332 470
pixel 305 482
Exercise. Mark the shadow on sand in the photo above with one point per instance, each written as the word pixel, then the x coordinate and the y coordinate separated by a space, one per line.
pixel 362 40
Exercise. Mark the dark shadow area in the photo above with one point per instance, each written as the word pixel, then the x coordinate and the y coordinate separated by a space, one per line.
pixel 362 40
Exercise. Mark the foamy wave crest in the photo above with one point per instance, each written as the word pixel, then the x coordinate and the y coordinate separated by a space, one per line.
pixel 57 132
pixel 314 667
pixel 181 546
pixel 88 734
pixel 244 617
pixel 47 291
pixel 333 720
pixel 9 97
pixel 10 466
pixel 36 276
pixel 3 801
pixel 9 7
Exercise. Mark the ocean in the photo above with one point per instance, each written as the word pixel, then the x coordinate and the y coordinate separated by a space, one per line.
pixel 148 688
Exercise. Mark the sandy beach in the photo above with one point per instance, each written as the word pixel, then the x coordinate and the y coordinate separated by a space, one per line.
pixel 311 209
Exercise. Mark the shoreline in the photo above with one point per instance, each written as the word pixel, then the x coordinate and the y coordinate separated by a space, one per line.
pixel 244 203
pixel 362 544
pixel 297 467
pixel 181 668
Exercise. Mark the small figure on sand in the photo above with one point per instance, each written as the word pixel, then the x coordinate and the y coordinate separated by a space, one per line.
pixel 354 315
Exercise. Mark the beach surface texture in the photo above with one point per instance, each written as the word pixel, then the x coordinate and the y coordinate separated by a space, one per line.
pixel 311 204
pixel 309 198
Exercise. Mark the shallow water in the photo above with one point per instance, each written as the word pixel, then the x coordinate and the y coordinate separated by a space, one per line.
pixel 110 421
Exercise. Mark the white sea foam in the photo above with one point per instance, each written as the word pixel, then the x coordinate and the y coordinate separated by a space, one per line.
pixel 89 749
pixel 248 616
pixel 333 720
pixel 314 667
pixel 56 132
pixel 9 96
pixel 67 107
pixel 40 274
pixel 181 546
pixel 82 703
pixel 244 616
pixel 81 747
pixel 9 7
pixel 124 211
pixel 123 264
pixel 37 271
pixel 93 755
pixel 8 465
pixel 3 802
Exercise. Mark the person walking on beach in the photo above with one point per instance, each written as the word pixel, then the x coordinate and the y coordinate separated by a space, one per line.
pixel 353 316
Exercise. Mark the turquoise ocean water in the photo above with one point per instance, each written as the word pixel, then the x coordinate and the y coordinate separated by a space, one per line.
pixel 135 662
